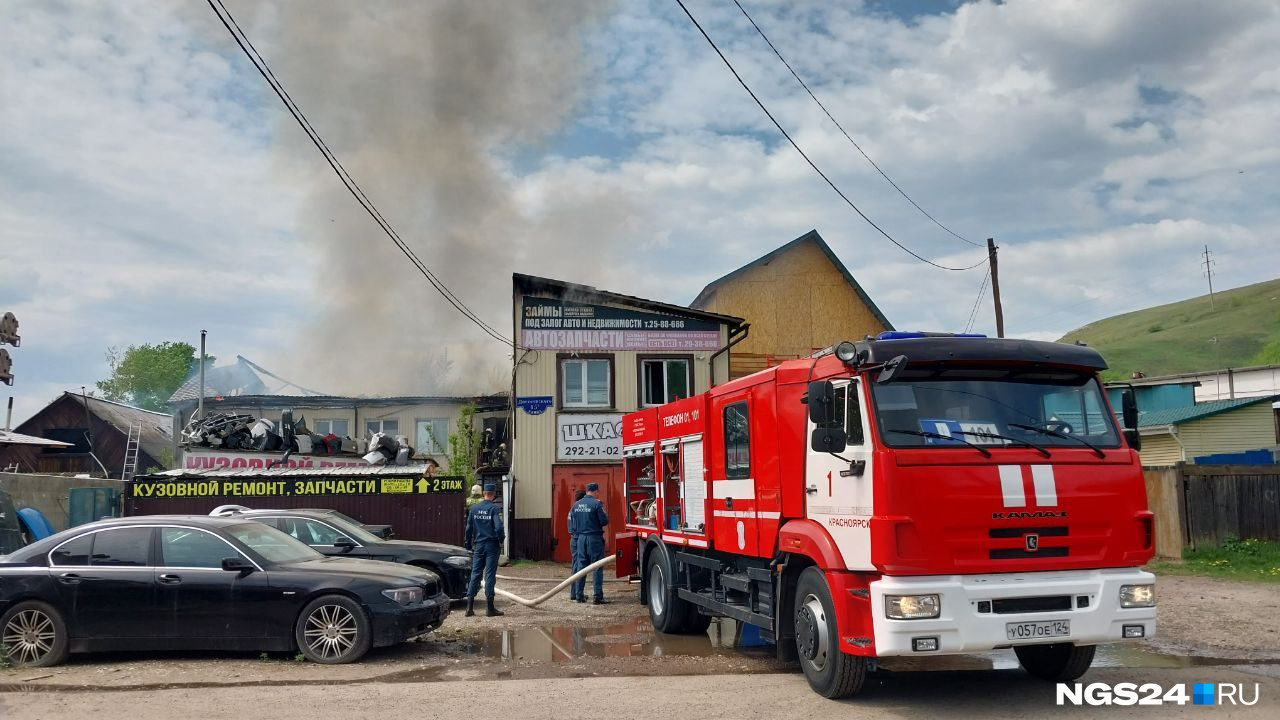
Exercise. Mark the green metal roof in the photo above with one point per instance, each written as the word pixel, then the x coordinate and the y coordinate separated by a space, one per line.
pixel 1199 411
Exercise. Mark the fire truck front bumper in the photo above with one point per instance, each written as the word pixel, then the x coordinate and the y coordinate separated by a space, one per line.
pixel 984 612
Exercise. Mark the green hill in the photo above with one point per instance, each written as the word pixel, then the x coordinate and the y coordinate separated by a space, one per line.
pixel 1176 338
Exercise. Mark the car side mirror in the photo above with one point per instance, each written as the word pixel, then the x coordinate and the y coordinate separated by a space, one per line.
pixel 828 440
pixel 821 400
pixel 236 564
pixel 344 544
pixel 1129 414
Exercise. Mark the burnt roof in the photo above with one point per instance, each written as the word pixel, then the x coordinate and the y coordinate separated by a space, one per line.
pixel 527 284
pixel 156 437
pixel 975 350
pixel 813 237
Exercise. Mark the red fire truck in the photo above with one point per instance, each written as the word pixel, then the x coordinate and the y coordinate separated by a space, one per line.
pixel 913 494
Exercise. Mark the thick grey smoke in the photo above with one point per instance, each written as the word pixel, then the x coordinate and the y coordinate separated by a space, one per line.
pixel 417 99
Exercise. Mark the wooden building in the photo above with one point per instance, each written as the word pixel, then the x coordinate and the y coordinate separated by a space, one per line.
pixel 798 298
pixel 587 356
pixel 1221 427
pixel 97 432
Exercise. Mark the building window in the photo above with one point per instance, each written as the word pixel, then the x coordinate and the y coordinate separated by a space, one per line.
pixel 737 442
pixel 586 382
pixel 390 427
pixel 335 427
pixel 432 436
pixel 663 380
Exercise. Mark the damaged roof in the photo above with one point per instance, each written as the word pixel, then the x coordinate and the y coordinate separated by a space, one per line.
pixel 529 284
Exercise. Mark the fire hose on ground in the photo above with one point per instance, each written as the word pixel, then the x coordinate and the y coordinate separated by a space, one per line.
pixel 553 591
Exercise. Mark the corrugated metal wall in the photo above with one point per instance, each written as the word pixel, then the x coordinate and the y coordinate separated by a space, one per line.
pixel 436 517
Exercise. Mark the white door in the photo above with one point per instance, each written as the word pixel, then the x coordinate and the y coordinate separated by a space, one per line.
pixel 842 503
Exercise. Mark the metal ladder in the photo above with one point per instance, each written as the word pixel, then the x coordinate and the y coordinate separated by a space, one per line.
pixel 131 452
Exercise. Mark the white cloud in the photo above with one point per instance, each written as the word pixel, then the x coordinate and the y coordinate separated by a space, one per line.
pixel 150 186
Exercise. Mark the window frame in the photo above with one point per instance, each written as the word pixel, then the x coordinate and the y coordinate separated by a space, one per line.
pixel 296 518
pixel 640 377
pixel 382 425
pixel 560 377
pixel 94 540
pixel 444 444
pixel 344 421
pixel 159 549
pixel 724 438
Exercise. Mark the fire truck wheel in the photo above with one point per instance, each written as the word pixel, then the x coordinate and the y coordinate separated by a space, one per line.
pixel 830 672
pixel 1060 662
pixel 669 613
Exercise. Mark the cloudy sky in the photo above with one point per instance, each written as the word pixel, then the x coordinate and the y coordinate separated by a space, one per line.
pixel 151 186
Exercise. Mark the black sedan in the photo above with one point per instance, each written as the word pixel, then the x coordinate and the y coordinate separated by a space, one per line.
pixel 188 583
pixel 332 533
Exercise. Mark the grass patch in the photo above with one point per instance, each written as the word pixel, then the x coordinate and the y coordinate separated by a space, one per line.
pixel 1234 560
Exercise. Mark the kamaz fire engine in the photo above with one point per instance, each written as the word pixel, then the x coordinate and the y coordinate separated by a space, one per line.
pixel 913 494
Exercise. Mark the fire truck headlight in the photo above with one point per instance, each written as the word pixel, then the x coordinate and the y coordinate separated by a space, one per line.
pixel 1135 596
pixel 912 607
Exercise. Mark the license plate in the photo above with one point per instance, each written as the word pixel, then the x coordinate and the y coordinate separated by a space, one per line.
pixel 1037 630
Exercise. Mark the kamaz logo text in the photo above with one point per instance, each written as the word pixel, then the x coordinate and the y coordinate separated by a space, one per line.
pixel 1033 515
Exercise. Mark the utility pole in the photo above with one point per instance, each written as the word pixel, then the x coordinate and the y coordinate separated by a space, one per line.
pixel 995 285
pixel 1208 272
pixel 200 402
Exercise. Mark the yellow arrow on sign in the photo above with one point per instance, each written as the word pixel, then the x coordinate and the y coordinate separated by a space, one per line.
pixel 423 485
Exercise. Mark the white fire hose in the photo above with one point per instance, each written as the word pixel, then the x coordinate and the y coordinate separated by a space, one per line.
pixel 553 591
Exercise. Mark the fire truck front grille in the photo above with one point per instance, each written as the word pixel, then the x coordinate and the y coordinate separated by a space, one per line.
pixel 1047 603
pixel 1021 554
pixel 1017 532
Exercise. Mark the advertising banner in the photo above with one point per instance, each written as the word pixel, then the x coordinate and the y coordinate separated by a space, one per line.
pixel 589 436
pixel 551 324
pixel 268 486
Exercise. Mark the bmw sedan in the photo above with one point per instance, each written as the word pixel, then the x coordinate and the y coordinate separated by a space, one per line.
pixel 332 533
pixel 188 583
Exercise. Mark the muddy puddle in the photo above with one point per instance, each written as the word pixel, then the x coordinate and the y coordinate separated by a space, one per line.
pixel 620 650
pixel 636 638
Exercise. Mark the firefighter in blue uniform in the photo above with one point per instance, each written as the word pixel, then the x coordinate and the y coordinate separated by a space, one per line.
pixel 573 547
pixel 586 521
pixel 484 538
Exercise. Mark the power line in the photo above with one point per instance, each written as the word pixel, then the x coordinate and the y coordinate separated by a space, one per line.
pixel 260 64
pixel 982 290
pixel 816 169
pixel 883 174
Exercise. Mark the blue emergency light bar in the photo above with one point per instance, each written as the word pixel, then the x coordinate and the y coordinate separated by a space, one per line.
pixel 912 334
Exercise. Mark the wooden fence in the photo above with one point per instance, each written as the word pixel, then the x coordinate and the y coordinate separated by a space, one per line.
pixel 1225 501
pixel 1207 504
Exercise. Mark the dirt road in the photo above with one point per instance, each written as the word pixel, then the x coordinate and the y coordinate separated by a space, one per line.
pixel 555 650
pixel 1004 694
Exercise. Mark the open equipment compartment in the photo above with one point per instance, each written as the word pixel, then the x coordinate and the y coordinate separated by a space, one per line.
pixel 640 468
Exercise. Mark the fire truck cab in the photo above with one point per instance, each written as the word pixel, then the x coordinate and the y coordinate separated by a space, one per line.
pixel 913 494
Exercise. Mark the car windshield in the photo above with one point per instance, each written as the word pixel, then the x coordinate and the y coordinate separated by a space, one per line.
pixel 272 544
pixel 927 407
pixel 352 529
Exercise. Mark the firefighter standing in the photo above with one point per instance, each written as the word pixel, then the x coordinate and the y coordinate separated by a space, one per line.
pixel 484 538
pixel 574 594
pixel 587 521
pixel 476 498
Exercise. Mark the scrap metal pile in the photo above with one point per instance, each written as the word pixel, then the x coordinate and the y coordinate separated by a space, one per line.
pixel 232 431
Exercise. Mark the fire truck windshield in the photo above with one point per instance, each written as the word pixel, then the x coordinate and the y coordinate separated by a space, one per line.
pixel 993 407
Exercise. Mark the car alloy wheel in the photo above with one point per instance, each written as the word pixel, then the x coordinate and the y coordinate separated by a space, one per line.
pixel 330 631
pixel 28 637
